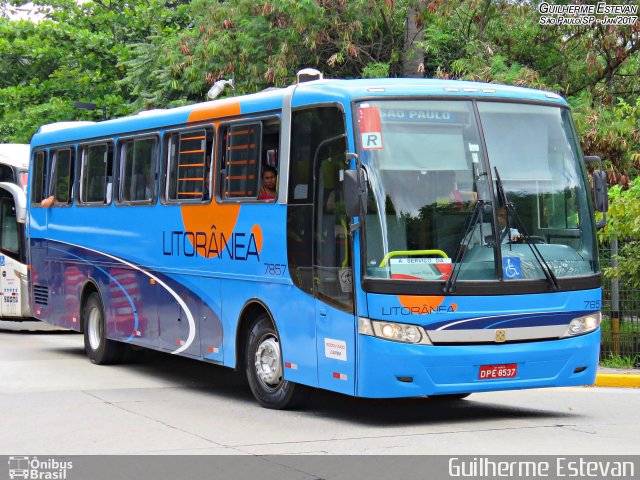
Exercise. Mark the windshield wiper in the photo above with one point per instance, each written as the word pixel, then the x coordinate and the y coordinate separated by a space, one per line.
pixel 511 213
pixel 476 217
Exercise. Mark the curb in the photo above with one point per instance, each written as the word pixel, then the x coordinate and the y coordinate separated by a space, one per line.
pixel 621 380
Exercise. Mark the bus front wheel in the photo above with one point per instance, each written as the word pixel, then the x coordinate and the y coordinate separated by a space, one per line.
pixel 100 350
pixel 264 367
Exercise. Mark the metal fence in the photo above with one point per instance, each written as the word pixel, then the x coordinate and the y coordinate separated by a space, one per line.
pixel 620 310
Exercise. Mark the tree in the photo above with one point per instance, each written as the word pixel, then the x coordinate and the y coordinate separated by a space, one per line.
pixel 76 52
pixel 596 68
pixel 623 221
pixel 264 43
pixel 131 56
pixel 412 53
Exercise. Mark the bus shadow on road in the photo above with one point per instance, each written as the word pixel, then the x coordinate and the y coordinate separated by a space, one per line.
pixel 32 328
pixel 225 384
pixel 188 373
pixel 421 410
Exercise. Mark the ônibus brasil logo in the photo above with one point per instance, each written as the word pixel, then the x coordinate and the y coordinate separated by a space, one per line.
pixel 33 468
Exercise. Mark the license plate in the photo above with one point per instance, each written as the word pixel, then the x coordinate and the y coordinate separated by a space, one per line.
pixel 492 372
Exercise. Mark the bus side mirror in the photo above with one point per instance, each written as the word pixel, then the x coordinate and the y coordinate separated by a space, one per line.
pixel 355 192
pixel 600 189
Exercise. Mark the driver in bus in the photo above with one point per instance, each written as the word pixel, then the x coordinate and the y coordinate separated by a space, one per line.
pixel 507 234
pixel 482 233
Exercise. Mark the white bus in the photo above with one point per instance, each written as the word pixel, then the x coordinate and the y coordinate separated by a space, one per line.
pixel 14 298
pixel 14 163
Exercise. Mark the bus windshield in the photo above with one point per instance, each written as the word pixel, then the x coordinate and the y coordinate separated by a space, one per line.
pixel 431 205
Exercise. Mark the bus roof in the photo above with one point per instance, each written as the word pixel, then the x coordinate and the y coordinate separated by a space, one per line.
pixel 319 91
pixel 15 154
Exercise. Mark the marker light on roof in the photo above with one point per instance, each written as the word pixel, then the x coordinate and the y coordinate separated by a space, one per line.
pixel 553 95
pixel 470 89
pixel 376 90
pixel 488 90
pixel 451 89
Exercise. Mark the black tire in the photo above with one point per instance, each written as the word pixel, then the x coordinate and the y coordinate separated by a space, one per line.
pixel 100 350
pixel 264 368
pixel 450 396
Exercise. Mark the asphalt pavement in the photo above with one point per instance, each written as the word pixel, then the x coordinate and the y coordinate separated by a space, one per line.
pixel 54 401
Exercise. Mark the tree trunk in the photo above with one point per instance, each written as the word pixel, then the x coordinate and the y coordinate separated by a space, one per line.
pixel 413 56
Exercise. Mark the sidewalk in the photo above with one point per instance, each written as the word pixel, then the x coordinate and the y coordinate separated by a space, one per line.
pixel 618 377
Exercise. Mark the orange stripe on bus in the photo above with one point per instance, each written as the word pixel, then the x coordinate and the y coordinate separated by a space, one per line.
pixel 241 147
pixel 241 132
pixel 216 110
pixel 186 152
pixel 242 162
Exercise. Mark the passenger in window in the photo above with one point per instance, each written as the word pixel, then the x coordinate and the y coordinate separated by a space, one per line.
pixel 455 196
pixel 268 189
pixel 448 193
pixel 48 202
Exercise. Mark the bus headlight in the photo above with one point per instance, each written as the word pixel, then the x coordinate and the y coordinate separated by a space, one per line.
pixel 398 332
pixel 584 324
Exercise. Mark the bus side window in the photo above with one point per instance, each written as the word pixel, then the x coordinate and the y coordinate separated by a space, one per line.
pixel 240 157
pixel 62 178
pixel 6 174
pixel 245 150
pixel 189 165
pixel 39 178
pixel 96 177
pixel 10 240
pixel 138 166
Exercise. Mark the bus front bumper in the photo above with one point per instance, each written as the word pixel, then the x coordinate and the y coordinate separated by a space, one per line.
pixel 389 369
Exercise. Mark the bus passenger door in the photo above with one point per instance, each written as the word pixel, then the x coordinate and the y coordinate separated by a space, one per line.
pixel 332 269
pixel 12 271
pixel 37 233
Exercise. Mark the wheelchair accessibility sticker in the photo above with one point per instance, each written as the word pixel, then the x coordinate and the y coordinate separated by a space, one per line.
pixel 511 268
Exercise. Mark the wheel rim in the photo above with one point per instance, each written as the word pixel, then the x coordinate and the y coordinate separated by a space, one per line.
pixel 267 362
pixel 95 328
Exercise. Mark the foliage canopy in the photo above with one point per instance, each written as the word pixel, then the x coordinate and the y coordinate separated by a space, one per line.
pixel 129 55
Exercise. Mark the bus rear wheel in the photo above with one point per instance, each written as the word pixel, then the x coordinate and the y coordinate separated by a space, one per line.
pixel 100 350
pixel 264 367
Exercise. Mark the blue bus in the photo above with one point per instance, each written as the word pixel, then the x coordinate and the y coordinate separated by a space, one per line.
pixel 423 238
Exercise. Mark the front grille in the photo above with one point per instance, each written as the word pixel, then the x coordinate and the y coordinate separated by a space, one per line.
pixel 41 295
pixel 489 336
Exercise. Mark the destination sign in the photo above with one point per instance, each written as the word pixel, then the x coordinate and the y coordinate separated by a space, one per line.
pixel 413 115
